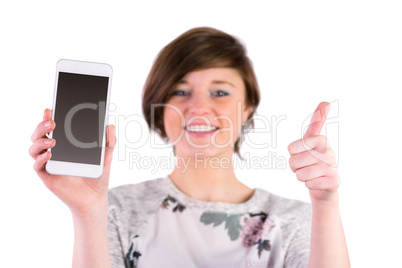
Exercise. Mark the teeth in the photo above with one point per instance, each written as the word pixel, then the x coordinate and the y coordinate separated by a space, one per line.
pixel 200 128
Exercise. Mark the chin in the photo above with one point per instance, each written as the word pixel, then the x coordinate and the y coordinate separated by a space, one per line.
pixel 210 152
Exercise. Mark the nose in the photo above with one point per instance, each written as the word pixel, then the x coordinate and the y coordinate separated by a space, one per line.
pixel 199 103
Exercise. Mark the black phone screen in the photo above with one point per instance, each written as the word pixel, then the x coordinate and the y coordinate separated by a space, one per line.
pixel 79 115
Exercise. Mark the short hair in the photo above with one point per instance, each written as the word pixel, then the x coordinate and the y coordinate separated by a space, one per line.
pixel 197 49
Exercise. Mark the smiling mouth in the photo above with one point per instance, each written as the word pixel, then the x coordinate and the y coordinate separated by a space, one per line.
pixel 200 128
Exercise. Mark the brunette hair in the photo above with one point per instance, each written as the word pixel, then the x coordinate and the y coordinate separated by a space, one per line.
pixel 196 49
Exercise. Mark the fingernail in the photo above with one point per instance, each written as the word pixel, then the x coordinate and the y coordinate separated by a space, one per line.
pixel 44 155
pixel 48 141
pixel 47 123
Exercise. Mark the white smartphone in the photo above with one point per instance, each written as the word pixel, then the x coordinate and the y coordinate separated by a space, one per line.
pixel 80 111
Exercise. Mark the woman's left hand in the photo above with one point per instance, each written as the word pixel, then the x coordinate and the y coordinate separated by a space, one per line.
pixel 313 160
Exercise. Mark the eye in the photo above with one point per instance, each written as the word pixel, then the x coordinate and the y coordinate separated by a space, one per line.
pixel 181 92
pixel 219 93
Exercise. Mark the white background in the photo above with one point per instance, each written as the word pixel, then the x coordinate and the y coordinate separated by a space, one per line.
pixel 304 52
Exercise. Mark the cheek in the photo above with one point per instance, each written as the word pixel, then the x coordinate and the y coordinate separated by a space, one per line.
pixel 231 122
pixel 235 115
pixel 172 122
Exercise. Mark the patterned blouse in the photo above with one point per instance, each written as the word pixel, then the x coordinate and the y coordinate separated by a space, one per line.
pixel 154 224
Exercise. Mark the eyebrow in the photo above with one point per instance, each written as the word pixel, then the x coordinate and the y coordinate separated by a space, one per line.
pixel 213 82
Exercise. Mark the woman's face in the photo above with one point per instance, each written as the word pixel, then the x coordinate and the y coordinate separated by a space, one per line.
pixel 205 112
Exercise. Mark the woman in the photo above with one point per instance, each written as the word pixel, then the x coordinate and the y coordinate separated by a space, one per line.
pixel 201 95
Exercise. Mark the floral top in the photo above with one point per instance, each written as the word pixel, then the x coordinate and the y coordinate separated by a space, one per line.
pixel 154 224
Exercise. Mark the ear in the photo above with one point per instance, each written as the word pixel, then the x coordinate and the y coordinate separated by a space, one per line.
pixel 245 113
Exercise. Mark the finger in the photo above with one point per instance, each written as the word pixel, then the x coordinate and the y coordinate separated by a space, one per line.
pixel 302 160
pixel 40 146
pixel 317 143
pixel 47 115
pixel 43 128
pixel 324 183
pixel 40 163
pixel 311 172
pixel 317 120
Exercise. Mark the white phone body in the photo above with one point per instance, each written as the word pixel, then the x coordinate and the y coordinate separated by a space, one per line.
pixel 80 111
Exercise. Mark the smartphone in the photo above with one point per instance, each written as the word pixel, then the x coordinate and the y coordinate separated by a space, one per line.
pixel 81 98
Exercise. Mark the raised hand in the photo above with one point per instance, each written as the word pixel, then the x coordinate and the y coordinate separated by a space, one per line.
pixel 79 194
pixel 312 159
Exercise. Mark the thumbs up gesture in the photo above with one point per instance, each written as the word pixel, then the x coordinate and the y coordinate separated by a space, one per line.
pixel 313 161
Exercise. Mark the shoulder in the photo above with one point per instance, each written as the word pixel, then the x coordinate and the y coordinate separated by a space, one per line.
pixel 143 192
pixel 287 209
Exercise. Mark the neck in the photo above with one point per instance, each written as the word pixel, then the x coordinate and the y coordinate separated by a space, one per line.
pixel 209 179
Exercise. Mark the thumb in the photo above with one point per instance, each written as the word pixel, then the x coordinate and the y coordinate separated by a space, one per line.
pixel 317 120
pixel 110 143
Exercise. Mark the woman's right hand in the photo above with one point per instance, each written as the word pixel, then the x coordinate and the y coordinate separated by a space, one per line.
pixel 81 195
